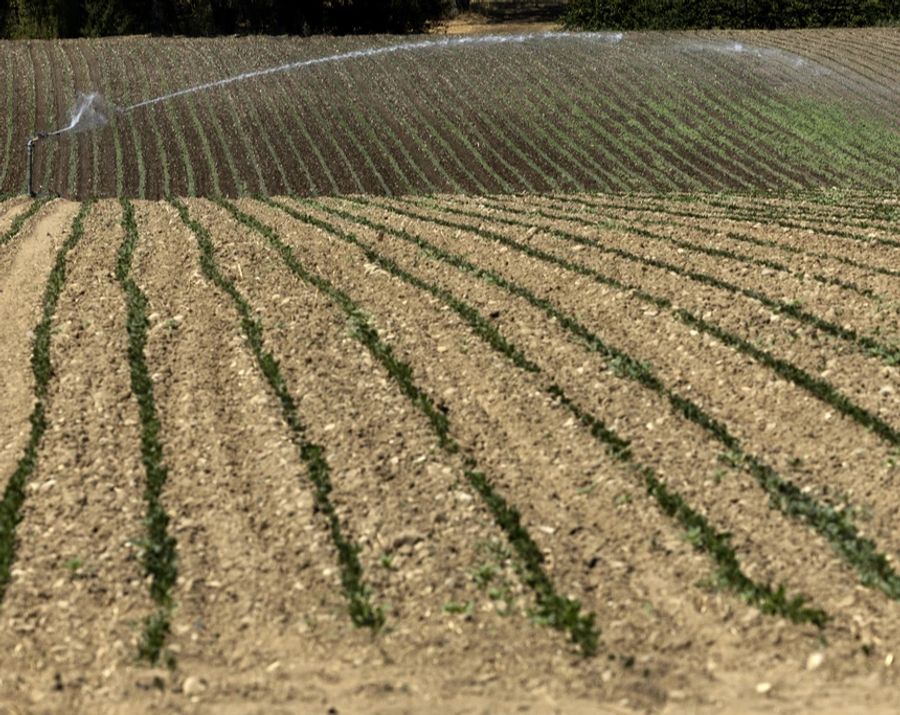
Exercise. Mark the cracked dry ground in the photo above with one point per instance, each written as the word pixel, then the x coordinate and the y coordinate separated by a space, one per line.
pixel 420 341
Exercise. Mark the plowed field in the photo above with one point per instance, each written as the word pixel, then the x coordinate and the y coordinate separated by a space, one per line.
pixel 563 453
pixel 705 111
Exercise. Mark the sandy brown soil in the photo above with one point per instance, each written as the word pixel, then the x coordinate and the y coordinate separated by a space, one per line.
pixel 24 264
pixel 778 420
pixel 260 622
pixel 69 616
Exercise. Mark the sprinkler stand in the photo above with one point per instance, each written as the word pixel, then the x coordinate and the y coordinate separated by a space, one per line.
pixel 30 149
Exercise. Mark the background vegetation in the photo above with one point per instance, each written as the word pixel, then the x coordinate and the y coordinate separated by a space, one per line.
pixel 680 14
pixel 92 18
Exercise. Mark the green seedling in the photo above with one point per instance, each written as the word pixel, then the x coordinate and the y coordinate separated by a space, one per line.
pixel 463 607
pixel 387 561
pixel 622 499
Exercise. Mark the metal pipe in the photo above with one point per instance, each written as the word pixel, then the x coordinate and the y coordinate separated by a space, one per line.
pixel 30 149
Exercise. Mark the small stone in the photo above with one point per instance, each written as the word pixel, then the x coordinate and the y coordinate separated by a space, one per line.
pixel 751 616
pixel 763 688
pixel 407 538
pixel 155 679
pixel 815 660
pixel 193 686
pixel 888 660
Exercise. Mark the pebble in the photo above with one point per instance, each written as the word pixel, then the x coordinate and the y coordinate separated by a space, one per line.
pixel 407 538
pixel 815 660
pixel 193 685
pixel 763 688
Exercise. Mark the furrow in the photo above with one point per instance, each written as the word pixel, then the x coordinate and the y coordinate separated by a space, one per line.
pixel 46 117
pixel 236 135
pixel 860 244
pixel 438 127
pixel 14 493
pixel 292 127
pixel 866 344
pixel 131 174
pixel 814 208
pixel 356 592
pixel 562 213
pixel 100 156
pixel 715 544
pixel 21 213
pixel 115 121
pixel 69 169
pixel 637 142
pixel 252 557
pixel 86 145
pixel 24 266
pixel 390 89
pixel 250 114
pixel 460 142
pixel 730 210
pixel 792 240
pixel 364 114
pixel 566 141
pixel 210 179
pixel 358 156
pixel 76 581
pixel 806 124
pixel 165 114
pixel 326 131
pixel 10 116
pixel 419 87
pixel 21 120
pixel 551 607
pixel 833 523
pixel 857 383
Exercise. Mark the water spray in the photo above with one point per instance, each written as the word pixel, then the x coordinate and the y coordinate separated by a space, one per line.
pixel 92 111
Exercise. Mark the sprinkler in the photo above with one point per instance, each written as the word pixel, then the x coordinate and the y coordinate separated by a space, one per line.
pixel 31 142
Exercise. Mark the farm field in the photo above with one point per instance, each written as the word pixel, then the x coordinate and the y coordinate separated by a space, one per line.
pixel 556 374
pixel 705 111
pixel 387 454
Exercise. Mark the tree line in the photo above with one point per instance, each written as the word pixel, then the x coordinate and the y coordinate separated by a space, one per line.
pixel 768 14
pixel 94 18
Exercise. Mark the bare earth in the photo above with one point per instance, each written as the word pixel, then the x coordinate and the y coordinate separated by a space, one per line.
pixel 260 620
